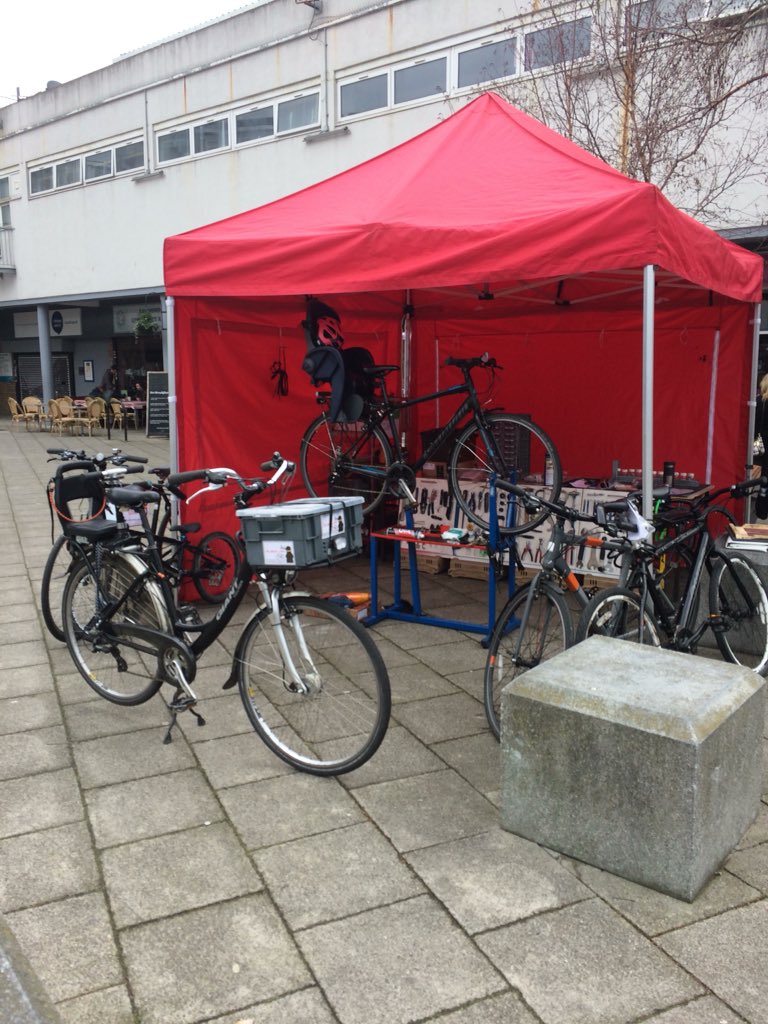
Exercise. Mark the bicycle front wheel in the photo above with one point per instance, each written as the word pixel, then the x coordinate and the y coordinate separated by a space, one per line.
pixel 55 576
pixel 512 448
pixel 122 671
pixel 527 632
pixel 618 613
pixel 338 459
pixel 215 565
pixel 315 688
pixel 738 600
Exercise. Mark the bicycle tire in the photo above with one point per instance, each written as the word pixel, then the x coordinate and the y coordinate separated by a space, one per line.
pixel 54 580
pixel 738 599
pixel 330 452
pixel 618 613
pixel 340 725
pixel 116 669
pixel 521 449
pixel 546 632
pixel 215 564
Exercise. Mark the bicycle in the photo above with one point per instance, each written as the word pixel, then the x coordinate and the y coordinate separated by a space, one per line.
pixel 644 611
pixel 210 564
pixel 368 456
pixel 312 681
pixel 536 622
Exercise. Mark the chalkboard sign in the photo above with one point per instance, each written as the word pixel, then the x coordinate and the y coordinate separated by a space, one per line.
pixel 158 417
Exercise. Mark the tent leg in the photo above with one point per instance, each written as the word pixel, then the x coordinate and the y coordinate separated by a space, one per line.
pixel 647 417
pixel 173 426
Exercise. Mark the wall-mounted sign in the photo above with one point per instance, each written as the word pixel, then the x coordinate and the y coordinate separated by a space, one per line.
pixel 6 367
pixel 62 323
pixel 124 318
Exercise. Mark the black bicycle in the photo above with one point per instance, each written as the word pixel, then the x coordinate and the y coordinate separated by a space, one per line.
pixel 368 456
pixel 664 609
pixel 311 679
pixel 210 563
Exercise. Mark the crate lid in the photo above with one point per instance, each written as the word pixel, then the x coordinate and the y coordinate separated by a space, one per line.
pixel 300 508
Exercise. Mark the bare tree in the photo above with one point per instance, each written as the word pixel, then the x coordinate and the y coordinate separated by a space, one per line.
pixel 673 92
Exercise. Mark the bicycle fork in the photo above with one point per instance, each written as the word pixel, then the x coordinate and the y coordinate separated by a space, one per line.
pixel 309 681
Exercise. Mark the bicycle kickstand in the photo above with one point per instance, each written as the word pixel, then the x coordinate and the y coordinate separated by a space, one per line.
pixel 183 700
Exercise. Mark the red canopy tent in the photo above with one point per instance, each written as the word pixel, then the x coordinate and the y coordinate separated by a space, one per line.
pixel 496 234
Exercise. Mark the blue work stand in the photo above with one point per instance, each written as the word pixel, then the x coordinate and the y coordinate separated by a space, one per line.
pixel 412 611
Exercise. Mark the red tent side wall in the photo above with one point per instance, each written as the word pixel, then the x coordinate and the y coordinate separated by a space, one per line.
pixel 578 376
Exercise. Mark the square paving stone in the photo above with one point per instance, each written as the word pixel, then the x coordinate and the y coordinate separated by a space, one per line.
pixel 442 718
pixel 29 679
pixel 507 1008
pixel 399 755
pixel 306 1007
pixel 411 636
pixel 150 807
pixel 26 753
pixel 585 965
pixel 110 1006
pixel 476 759
pixel 92 719
pixel 40 867
pixel 758 831
pixel 449 659
pixel 217 959
pixel 235 760
pixel 360 870
pixel 159 877
pixel 126 756
pixel 16 632
pixel 654 912
pixel 224 716
pixel 32 652
pixel 427 809
pixel 751 865
pixel 707 1010
pixel 73 689
pixel 397 964
pixel 34 711
pixel 69 945
pixel 728 954
pixel 494 879
pixel 21 612
pixel 289 807
pixel 39 801
pixel 414 681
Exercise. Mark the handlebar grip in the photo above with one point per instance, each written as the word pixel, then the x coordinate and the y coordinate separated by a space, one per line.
pixel 503 485
pixel 175 480
pixel 132 458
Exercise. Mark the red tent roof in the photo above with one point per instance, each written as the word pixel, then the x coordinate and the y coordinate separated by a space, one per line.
pixel 487 196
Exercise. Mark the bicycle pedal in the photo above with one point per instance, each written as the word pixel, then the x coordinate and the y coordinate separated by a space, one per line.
pixel 189 615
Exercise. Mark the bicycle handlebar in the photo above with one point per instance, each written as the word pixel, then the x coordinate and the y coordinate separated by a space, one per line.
pixel 470 364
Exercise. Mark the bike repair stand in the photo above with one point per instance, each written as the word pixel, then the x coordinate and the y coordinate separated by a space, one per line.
pixel 411 611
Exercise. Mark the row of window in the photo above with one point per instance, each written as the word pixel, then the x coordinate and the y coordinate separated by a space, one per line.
pixel 105 163
pixel 5 206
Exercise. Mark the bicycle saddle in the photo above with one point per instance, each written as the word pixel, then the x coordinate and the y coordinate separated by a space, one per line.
pixel 131 497
pixel 378 371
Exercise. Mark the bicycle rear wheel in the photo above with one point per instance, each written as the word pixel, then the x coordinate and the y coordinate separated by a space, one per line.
pixel 514 449
pixel 122 671
pixel 618 613
pixel 335 719
pixel 332 457
pixel 523 639
pixel 738 599
pixel 55 576
pixel 215 564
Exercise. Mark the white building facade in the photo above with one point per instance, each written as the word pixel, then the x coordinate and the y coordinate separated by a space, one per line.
pixel 95 173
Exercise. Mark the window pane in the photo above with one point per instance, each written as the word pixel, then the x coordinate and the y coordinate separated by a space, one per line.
pixel 41 180
pixel 214 135
pixel 560 44
pixel 298 113
pixel 5 188
pixel 128 158
pixel 367 94
pixel 97 165
pixel 427 79
pixel 68 173
pixel 5 215
pixel 173 146
pixel 255 124
pixel 486 63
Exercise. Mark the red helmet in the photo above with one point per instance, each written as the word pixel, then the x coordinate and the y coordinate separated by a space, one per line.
pixel 328 331
pixel 323 325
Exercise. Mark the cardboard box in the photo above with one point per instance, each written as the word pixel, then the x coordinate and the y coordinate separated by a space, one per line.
pixel 433 565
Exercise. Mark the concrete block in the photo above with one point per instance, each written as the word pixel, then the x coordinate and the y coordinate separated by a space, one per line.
pixel 644 762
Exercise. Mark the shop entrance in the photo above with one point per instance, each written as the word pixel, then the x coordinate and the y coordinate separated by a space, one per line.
pixel 29 376
pixel 134 357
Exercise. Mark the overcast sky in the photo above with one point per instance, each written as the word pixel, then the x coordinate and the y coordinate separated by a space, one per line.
pixel 47 40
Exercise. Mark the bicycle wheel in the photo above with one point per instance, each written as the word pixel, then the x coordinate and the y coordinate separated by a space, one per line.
pixel 332 455
pixel 517 451
pixel 738 598
pixel 122 671
pixel 55 576
pixel 522 638
pixel 336 718
pixel 215 564
pixel 618 613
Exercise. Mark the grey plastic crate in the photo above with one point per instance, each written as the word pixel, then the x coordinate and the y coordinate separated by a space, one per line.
pixel 301 533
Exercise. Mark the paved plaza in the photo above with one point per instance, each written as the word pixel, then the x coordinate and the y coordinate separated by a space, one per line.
pixel 206 881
